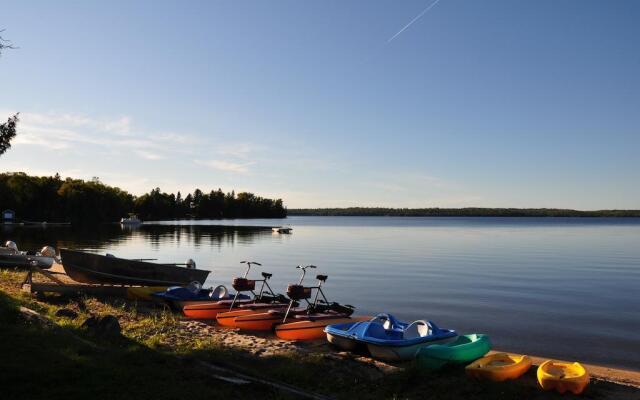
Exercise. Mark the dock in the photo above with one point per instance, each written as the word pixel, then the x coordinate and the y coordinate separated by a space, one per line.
pixel 55 280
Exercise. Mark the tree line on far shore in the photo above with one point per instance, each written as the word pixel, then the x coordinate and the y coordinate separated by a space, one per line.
pixel 461 212
pixel 54 199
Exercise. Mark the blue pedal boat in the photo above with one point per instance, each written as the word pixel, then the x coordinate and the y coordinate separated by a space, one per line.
pixel 180 296
pixel 386 338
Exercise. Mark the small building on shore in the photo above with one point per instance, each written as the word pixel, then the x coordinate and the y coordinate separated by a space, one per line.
pixel 8 216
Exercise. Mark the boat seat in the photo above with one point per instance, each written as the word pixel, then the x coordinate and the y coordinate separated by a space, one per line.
pixel 266 275
pixel 194 287
pixel 298 292
pixel 243 284
pixel 417 329
pixel 376 330
pixel 220 292
pixel 388 321
pixel 322 278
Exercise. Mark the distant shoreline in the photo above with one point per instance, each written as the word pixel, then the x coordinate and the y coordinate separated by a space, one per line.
pixel 459 212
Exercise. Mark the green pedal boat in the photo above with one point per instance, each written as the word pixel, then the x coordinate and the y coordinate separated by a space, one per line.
pixel 463 350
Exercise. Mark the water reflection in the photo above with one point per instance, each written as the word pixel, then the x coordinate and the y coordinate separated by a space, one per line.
pixel 551 286
pixel 105 237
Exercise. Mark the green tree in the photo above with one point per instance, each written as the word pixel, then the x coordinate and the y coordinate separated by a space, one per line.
pixel 7 133
pixel 4 43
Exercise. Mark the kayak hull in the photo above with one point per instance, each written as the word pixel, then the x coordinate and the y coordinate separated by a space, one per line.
pixel 562 376
pixel 311 329
pixel 499 367
pixel 463 350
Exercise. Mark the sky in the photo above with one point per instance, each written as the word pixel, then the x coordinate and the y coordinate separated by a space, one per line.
pixel 445 103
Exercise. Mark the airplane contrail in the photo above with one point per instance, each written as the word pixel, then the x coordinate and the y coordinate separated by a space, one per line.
pixel 413 20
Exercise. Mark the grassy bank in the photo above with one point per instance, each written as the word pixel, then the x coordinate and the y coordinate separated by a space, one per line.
pixel 159 355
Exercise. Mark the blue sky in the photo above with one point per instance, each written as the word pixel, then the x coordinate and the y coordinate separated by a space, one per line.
pixel 476 103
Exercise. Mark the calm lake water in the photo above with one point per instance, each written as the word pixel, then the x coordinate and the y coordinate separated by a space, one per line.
pixel 556 287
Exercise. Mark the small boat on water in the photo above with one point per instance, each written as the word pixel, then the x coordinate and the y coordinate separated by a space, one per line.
pixel 563 376
pixel 98 269
pixel 386 338
pixel 11 257
pixel 463 350
pixel 132 220
pixel 282 229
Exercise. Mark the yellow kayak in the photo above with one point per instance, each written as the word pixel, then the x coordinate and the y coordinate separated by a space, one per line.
pixel 499 367
pixel 143 292
pixel 563 376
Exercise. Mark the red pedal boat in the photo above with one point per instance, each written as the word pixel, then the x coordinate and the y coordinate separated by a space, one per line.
pixel 303 323
pixel 264 298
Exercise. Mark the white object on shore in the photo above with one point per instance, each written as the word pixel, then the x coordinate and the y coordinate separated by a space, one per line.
pixel 282 229
pixel 10 256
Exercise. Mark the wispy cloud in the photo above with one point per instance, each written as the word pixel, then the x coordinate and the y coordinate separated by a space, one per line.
pixel 226 166
pixel 60 131
pixel 147 155
pixel 242 151
pixel 121 126
pixel 426 10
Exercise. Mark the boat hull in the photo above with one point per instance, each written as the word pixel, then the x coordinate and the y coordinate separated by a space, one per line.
pixel 386 338
pixel 228 318
pixel 207 310
pixel 144 292
pixel 463 350
pixel 259 322
pixel 98 269
pixel 562 376
pixel 400 353
pixel 499 367
pixel 313 328
pixel 343 343
pixel 25 261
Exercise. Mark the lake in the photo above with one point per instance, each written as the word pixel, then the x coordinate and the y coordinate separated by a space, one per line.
pixel 556 287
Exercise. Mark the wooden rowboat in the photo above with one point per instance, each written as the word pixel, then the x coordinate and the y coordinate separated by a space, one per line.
pixel 98 269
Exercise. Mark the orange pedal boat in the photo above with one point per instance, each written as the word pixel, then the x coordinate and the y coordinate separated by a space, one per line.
pixel 210 310
pixel 302 323
pixel 265 321
pixel 262 300
pixel 228 318
pixel 312 327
